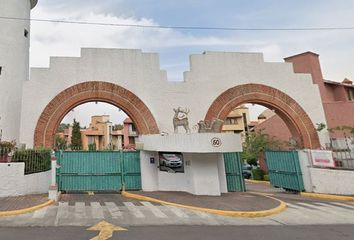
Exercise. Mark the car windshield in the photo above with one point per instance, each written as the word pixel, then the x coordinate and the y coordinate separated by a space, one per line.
pixel 170 156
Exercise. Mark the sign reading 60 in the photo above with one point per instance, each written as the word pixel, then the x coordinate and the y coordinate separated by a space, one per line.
pixel 216 142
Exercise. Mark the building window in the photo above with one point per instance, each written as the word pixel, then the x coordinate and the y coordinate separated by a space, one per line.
pixel 350 94
pixel 0 70
pixel 26 33
pixel 231 121
pixel 91 139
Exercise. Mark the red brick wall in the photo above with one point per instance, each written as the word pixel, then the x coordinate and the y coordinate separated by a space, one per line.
pixel 81 93
pixel 275 126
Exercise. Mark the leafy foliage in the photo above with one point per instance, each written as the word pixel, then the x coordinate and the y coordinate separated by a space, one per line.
pixel 117 127
pixel 256 143
pixel 35 160
pixel 320 127
pixel 60 143
pixel 92 147
pixel 343 128
pixel 63 126
pixel 76 142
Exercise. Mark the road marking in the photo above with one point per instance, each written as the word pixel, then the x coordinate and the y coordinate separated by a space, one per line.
pixel 96 210
pixel 304 205
pixel 134 209
pixel 106 230
pixel 113 209
pixel 342 205
pixel 157 212
pixel 178 212
pixel 40 213
pixel 63 212
pixel 335 207
pixel 202 214
pixel 292 206
pixel 80 210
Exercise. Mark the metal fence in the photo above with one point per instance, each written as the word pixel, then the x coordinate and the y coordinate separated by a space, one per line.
pixel 35 160
pixel 343 152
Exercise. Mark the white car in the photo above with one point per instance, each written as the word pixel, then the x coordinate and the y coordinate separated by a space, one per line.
pixel 170 160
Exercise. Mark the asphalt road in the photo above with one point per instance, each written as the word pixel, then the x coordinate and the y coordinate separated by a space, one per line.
pixel 322 232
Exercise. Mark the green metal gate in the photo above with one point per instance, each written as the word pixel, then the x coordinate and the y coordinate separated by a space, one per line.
pixel 284 170
pixel 98 171
pixel 233 169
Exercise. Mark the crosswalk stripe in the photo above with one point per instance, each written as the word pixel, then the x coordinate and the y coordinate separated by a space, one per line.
pixel 292 206
pixel 178 212
pixel 202 214
pixel 96 210
pixel 305 205
pixel 63 210
pixel 80 210
pixel 343 205
pixel 328 210
pixel 157 212
pixel 134 209
pixel 40 213
pixel 113 209
pixel 334 206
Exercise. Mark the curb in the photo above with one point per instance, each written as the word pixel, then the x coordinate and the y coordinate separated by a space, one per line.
pixel 257 181
pixel 245 214
pixel 25 210
pixel 327 196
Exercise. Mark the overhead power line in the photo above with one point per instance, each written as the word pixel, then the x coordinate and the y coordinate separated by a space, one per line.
pixel 179 27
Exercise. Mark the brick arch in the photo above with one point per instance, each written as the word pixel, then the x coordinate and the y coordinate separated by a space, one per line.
pixel 297 120
pixel 85 92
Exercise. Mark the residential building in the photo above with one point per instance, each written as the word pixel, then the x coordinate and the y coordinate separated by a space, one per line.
pixel 237 121
pixel 130 134
pixel 337 99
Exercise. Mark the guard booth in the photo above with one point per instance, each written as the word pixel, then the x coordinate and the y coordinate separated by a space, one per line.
pixel 200 163
pixel 98 171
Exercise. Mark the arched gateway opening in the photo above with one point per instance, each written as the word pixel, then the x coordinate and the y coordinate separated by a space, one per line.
pixel 297 120
pixel 85 92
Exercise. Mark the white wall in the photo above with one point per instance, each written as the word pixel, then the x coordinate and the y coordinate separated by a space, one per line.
pixel 14 60
pixel 13 182
pixel 201 176
pixel 192 143
pixel 210 75
pixel 332 181
pixel 305 165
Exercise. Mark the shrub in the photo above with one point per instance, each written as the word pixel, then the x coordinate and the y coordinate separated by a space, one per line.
pixel 257 174
pixel 266 178
pixel 35 160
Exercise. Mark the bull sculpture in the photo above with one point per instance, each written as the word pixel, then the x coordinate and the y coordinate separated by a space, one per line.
pixel 181 119
pixel 210 127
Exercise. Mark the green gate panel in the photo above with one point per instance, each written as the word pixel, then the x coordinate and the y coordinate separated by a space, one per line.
pixel 132 172
pixel 284 170
pixel 98 171
pixel 233 170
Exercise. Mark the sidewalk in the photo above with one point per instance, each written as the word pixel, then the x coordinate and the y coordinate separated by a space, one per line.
pixel 9 204
pixel 235 201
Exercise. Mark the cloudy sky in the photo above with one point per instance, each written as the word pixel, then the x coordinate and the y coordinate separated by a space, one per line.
pixel 336 48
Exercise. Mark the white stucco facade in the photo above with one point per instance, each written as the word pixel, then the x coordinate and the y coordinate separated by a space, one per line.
pixel 210 74
pixel 204 174
pixel 14 63
pixel 13 181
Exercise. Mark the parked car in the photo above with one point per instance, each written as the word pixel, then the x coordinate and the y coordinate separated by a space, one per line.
pixel 246 171
pixel 170 160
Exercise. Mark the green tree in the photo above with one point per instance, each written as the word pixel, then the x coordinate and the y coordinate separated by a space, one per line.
pixel 63 126
pixel 256 143
pixel 117 127
pixel 76 142
pixel 60 143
